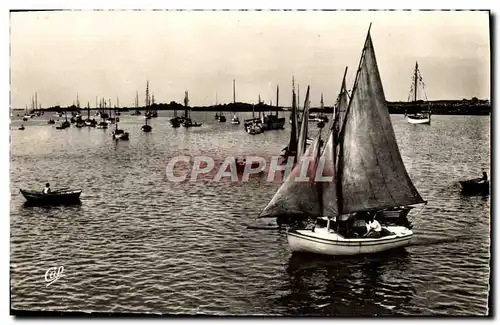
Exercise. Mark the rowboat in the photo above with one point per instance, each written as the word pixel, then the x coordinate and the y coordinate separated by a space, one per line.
pixel 477 186
pixel 54 197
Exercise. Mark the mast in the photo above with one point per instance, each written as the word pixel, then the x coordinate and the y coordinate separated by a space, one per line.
pixel 292 145
pixel 234 91
pixel 36 100
pixel 147 96
pixel 88 111
pixel 186 102
pixel 415 81
pixel 277 98
pixel 323 106
pixel 298 98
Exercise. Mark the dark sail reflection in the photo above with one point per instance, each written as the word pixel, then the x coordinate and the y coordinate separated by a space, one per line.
pixel 347 286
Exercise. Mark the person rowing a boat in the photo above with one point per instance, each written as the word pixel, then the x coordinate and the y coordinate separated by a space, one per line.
pixel 46 190
pixel 484 178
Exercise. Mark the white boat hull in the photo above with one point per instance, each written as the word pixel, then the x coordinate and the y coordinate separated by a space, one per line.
pixel 419 120
pixel 331 243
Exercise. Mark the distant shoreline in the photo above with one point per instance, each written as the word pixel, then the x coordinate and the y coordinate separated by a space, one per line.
pixel 441 107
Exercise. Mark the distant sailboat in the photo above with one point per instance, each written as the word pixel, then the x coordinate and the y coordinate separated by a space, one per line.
pixel 254 127
pixel 103 124
pixel 188 122
pixel 366 178
pixel 235 120
pixel 154 111
pixel 147 116
pixel 423 116
pixel 88 121
pixel 147 108
pixel 136 104
pixel 120 134
pixel 221 116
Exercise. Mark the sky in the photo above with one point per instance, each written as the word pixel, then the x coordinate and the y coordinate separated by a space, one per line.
pixel 111 54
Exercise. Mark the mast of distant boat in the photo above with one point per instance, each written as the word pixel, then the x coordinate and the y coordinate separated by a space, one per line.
pixel 277 99
pixel 415 81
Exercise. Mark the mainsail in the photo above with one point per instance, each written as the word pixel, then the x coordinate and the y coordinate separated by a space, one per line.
pixel 295 197
pixel 371 171
pixel 301 143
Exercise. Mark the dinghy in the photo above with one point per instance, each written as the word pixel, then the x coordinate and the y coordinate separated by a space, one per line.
pixel 55 197
pixel 477 186
pixel 362 174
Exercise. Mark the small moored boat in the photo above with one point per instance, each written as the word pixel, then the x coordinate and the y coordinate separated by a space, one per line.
pixel 54 197
pixel 477 186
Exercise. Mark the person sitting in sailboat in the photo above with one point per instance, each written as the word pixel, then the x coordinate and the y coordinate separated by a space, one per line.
pixel 374 229
pixel 46 190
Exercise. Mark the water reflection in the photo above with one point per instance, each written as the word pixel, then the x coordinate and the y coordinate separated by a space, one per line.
pixel 347 286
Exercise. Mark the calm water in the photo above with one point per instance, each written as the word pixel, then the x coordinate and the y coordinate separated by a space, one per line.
pixel 139 243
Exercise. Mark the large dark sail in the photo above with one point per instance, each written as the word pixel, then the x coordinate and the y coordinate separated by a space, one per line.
pixel 371 171
pixel 296 197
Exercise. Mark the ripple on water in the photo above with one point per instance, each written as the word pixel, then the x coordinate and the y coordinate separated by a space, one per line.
pixel 139 243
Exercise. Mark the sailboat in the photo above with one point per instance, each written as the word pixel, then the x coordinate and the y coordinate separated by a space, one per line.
pixel 88 121
pixel 136 104
pixel 176 121
pixel 365 178
pixel 110 118
pixel 153 111
pixel 119 134
pixel 219 115
pixel 187 122
pixel 146 127
pixel 147 108
pixel 235 120
pixel 65 124
pixel 103 124
pixel 254 127
pixel 423 116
